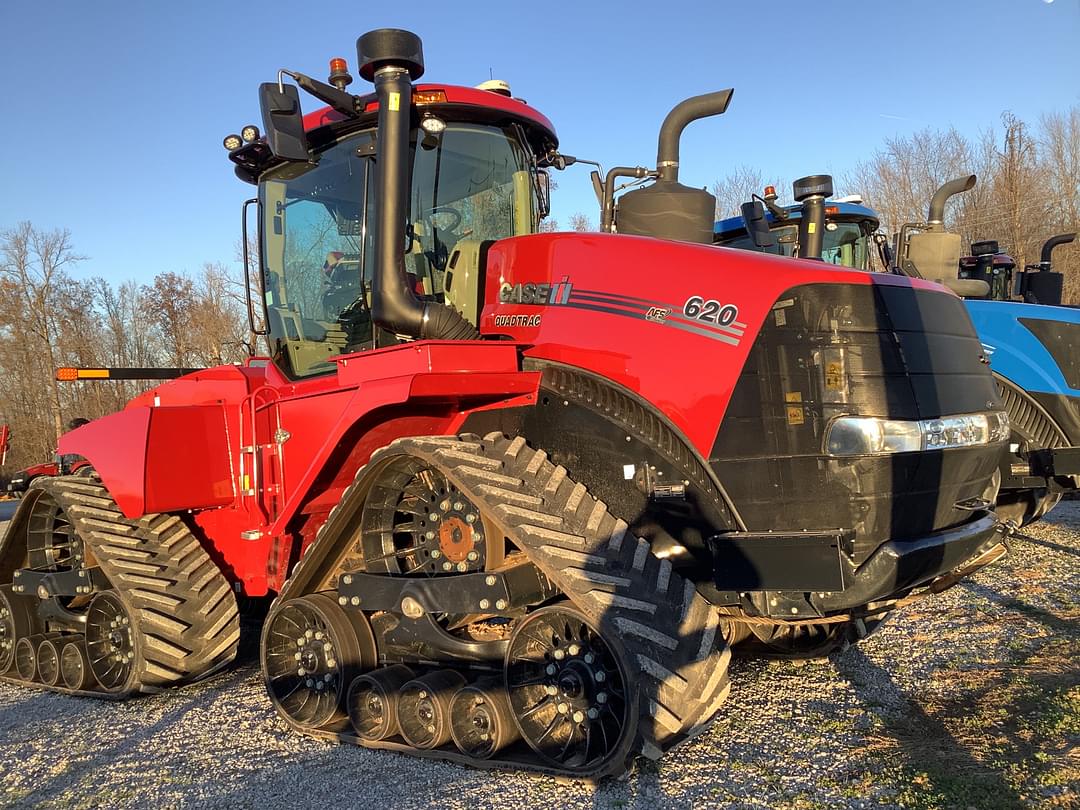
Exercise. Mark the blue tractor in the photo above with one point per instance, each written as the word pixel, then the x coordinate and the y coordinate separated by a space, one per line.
pixel 1031 341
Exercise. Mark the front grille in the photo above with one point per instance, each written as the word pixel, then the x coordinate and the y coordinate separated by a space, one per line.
pixel 828 350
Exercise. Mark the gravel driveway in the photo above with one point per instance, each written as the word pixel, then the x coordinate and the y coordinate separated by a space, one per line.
pixel 968 700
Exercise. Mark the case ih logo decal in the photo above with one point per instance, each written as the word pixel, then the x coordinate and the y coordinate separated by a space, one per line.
pixel 541 294
pixel 702 316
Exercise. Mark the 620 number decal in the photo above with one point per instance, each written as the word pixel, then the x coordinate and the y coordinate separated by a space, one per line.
pixel 710 311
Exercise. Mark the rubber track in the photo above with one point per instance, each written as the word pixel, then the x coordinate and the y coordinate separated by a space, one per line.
pixel 670 633
pixel 178 598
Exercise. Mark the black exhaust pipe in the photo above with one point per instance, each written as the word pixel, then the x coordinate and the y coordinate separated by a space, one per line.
pixel 667 149
pixel 936 216
pixel 392 58
pixel 811 192
pixel 1050 244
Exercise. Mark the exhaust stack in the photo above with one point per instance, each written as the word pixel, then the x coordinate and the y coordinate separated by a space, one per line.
pixel 667 209
pixel 392 59
pixel 936 217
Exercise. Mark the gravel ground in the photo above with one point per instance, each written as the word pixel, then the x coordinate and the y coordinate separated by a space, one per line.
pixel 969 700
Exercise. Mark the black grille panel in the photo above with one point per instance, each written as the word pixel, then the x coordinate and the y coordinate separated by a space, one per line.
pixel 835 350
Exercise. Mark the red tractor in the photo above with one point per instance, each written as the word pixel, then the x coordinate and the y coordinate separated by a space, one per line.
pixel 514 492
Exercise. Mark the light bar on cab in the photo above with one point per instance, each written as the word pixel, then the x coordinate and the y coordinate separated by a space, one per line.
pixel 872 436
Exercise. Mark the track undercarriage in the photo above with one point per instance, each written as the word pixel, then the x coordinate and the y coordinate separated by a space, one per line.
pixel 102 605
pixel 487 609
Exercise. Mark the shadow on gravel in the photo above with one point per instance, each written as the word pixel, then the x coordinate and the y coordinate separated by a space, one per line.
pixel 1058 626
pixel 925 743
pixel 1027 538
pixel 37 705
pixel 47 789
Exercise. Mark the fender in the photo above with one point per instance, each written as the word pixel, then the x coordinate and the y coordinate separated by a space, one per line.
pixel 260 459
pixel 1015 352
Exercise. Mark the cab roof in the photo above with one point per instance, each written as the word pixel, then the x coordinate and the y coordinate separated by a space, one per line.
pixel 840 210
pixel 455 95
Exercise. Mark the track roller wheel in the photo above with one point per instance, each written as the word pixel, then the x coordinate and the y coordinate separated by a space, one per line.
pixel 568 688
pixel 74 664
pixel 48 661
pixel 112 644
pixel 424 708
pixel 481 720
pixel 311 651
pixel 26 656
pixel 373 700
pixel 18 619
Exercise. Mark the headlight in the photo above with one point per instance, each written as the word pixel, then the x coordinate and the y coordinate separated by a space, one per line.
pixel 871 436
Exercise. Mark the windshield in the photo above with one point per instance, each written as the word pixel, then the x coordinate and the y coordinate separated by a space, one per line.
pixel 470 184
pixel 844 243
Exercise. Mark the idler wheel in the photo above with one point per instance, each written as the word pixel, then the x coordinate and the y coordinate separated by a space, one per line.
pixel 481 720
pixel 111 643
pixel 18 619
pixel 373 702
pixel 48 661
pixel 569 689
pixel 424 708
pixel 312 650
pixel 74 665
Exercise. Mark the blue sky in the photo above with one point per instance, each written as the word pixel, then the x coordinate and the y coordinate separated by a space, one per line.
pixel 115 110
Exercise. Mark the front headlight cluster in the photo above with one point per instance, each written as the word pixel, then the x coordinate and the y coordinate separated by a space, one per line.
pixel 871 436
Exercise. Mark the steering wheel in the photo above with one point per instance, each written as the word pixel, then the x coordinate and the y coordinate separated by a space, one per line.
pixel 439 254
pixel 443 209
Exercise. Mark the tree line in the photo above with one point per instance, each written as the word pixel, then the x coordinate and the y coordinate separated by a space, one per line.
pixel 1028 190
pixel 49 318
pixel 1028 185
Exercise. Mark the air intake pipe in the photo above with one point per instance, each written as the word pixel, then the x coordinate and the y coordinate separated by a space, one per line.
pixel 936 217
pixel 811 192
pixel 392 59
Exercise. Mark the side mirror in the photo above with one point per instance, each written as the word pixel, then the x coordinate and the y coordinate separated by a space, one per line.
pixel 753 214
pixel 283 121
pixel 543 192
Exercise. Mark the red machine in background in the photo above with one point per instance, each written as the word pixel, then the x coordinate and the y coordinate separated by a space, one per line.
pixel 514 492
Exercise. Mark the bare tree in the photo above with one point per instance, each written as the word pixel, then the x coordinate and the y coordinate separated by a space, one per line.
pixel 580 222
pixel 737 187
pixel 33 262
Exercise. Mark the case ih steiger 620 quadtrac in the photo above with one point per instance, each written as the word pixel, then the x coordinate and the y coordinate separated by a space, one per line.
pixel 514 491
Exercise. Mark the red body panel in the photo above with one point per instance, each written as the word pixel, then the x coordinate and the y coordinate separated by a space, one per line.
pixel 46 468
pixel 686 367
pixel 261 459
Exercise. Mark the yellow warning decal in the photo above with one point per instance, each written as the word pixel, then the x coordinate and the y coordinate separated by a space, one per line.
pixel 394 104
pixel 834 376
pixel 811 227
pixel 794 411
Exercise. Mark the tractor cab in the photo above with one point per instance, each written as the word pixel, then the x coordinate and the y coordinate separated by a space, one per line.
pixel 847 240
pixel 987 263
pixel 472 159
